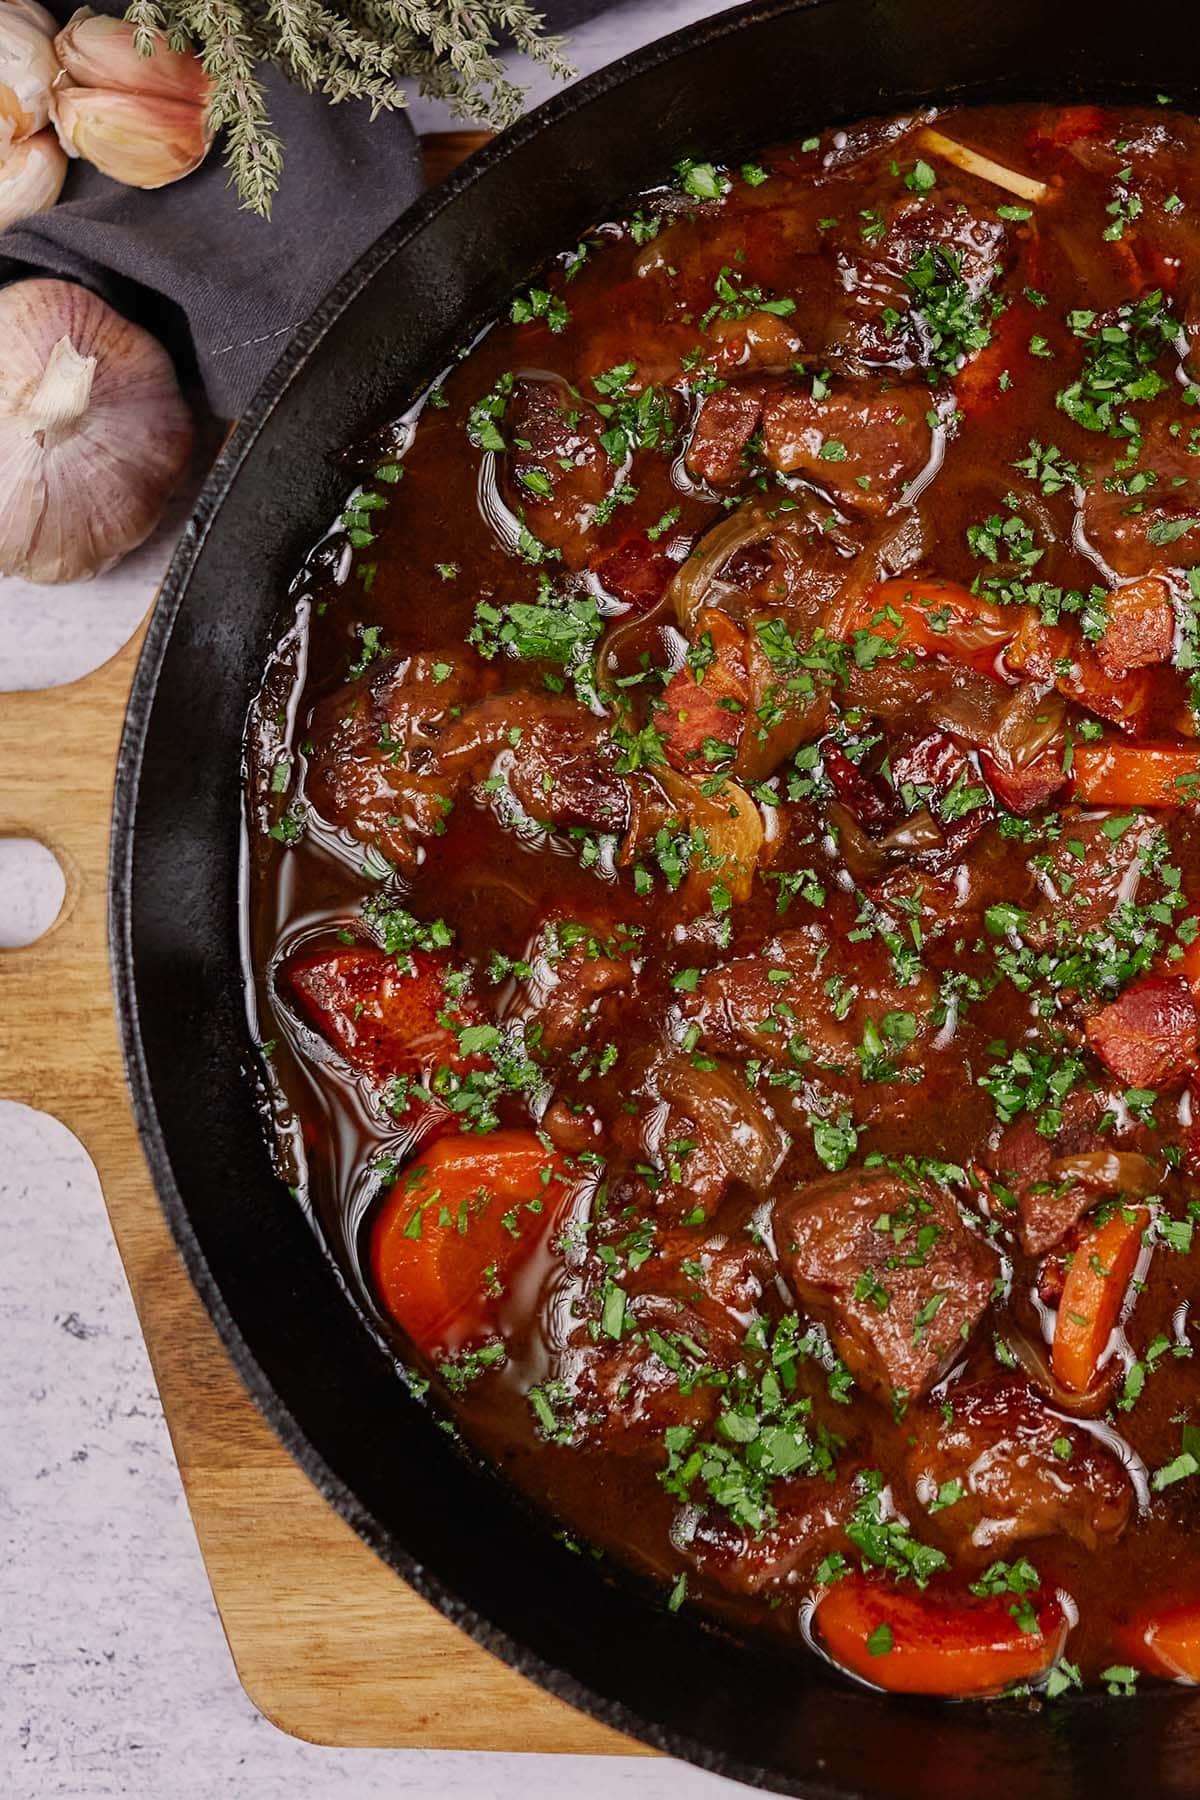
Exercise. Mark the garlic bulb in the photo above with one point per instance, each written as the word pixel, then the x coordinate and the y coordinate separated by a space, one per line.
pixel 27 69
pixel 31 177
pixel 142 120
pixel 94 432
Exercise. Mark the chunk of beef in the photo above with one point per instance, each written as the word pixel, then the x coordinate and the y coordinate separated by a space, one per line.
pixel 806 1001
pixel 759 343
pixel 694 1134
pixel 574 967
pixel 557 471
pixel 1004 1468
pixel 1089 871
pixel 811 1512
pixel 725 424
pixel 555 755
pixel 562 770
pixel 687 1308
pixel 1140 632
pixel 1024 1163
pixel 890 1267
pixel 1164 530
pixel 878 323
pixel 386 1015
pixel 1147 1037
pixel 862 445
pixel 374 767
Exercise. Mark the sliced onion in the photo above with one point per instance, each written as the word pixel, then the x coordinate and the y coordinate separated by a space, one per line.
pixel 1108 1172
pixel 1031 721
pixel 731 825
pixel 1035 1361
pixel 732 1120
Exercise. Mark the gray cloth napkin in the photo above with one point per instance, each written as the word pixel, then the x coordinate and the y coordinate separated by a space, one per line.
pixel 220 286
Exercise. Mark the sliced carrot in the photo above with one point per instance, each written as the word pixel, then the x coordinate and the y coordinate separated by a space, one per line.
pixel 1165 1641
pixel 938 618
pixel 455 1228
pixel 1137 774
pixel 935 1641
pixel 711 707
pixel 1093 1295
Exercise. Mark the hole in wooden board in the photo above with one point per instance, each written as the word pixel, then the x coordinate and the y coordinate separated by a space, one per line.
pixel 32 890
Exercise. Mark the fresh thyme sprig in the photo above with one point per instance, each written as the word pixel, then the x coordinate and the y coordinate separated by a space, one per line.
pixel 349 50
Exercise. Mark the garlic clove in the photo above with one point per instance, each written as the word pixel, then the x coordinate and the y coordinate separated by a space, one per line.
pixel 98 52
pixel 27 69
pixel 31 177
pixel 140 139
pixel 94 432
pixel 38 15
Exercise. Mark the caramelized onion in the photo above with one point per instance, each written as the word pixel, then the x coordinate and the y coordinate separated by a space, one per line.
pixel 1108 1172
pixel 1031 721
pixel 731 825
pixel 1034 1358
pixel 731 1119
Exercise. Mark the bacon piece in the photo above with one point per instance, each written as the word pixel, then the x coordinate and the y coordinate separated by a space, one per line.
pixel 1147 1037
pixel 1024 790
pixel 694 712
pixel 636 572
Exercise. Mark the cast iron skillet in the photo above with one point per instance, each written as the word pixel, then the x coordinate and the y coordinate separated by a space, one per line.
pixel 475 1550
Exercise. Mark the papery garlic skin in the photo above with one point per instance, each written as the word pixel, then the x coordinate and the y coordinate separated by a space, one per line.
pixel 97 52
pixel 94 432
pixel 37 14
pixel 140 139
pixel 28 68
pixel 31 177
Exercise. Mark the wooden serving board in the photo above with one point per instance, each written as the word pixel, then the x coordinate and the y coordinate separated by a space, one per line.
pixel 328 1642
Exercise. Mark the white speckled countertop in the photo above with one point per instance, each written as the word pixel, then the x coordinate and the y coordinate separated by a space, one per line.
pixel 114 1675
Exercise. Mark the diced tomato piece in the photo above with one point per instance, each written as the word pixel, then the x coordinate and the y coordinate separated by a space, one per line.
pixel 937 1640
pixel 1067 124
pixel 1141 627
pixel 694 712
pixel 1147 1036
pixel 383 1013
pixel 1093 1294
pixel 1137 774
pixel 1165 1640
pixel 938 618
pixel 1024 790
pixel 453 1231
pixel 637 572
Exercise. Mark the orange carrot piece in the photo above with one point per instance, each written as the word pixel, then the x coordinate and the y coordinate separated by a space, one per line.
pixel 1165 1641
pixel 455 1227
pixel 1137 774
pixel 1093 1295
pixel 935 1642
pixel 938 618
